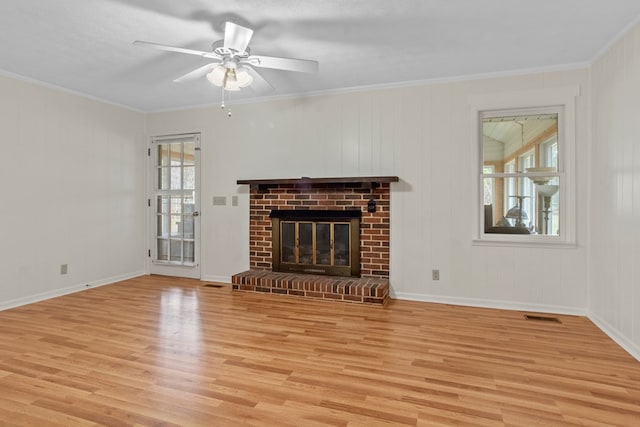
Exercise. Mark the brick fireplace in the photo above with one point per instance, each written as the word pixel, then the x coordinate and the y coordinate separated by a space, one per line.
pixel 370 196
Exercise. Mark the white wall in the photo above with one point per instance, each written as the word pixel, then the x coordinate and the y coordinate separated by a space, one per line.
pixel 73 188
pixel 615 192
pixel 420 134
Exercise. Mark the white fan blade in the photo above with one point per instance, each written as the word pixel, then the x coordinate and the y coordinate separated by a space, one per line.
pixel 259 84
pixel 197 73
pixel 176 49
pixel 300 65
pixel 236 37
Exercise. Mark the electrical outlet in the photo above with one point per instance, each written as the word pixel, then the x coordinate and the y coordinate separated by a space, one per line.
pixel 64 268
pixel 234 200
pixel 435 274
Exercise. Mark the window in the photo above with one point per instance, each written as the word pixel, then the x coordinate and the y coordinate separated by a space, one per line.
pixel 520 158
pixel 507 134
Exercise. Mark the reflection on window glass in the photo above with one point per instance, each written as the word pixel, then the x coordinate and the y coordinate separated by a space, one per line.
pixel 175 249
pixel 488 186
pixel 288 241
pixel 163 250
pixel 341 245
pixel 305 243
pixel 189 178
pixel 189 153
pixel 323 244
pixel 520 152
pixel 188 252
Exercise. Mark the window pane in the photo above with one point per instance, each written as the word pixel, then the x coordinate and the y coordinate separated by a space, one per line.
pixel 163 154
pixel 549 154
pixel 305 243
pixel 164 179
pixel 162 225
pixel 176 226
pixel 341 244
pixel 163 250
pixel 175 178
pixel 163 204
pixel 489 189
pixel 176 205
pixel 537 212
pixel 189 153
pixel 323 244
pixel 187 226
pixel 507 137
pixel 188 252
pixel 548 194
pixel 187 218
pixel 176 154
pixel 288 240
pixel 189 202
pixel 189 178
pixel 175 249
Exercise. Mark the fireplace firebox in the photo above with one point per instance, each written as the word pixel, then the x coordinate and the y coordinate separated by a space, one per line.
pixel 316 241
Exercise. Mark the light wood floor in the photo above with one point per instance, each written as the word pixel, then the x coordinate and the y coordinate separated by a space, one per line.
pixel 166 351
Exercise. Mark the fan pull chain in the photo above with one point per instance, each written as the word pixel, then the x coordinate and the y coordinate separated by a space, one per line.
pixel 222 106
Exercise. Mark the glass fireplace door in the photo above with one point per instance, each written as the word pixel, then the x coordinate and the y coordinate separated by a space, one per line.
pixel 314 247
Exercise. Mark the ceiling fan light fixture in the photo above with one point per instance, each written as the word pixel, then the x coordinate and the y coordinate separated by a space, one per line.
pixel 243 78
pixel 217 75
pixel 232 79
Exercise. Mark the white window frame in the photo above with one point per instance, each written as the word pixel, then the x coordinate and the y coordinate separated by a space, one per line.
pixel 508 103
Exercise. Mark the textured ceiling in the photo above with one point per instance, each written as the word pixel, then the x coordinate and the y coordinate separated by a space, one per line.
pixel 86 45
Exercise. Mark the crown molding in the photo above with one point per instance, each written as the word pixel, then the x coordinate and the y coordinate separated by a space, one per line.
pixel 9 74
pixel 623 32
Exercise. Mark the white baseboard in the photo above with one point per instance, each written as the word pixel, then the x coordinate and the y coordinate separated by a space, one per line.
pixel 219 279
pixel 68 290
pixel 624 342
pixel 486 303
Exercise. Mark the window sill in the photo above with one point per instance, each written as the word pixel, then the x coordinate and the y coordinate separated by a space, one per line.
pixel 528 241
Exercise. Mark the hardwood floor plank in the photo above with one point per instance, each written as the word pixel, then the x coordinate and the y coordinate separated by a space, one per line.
pixel 167 351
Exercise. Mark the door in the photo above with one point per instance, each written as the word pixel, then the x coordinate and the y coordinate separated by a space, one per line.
pixel 175 206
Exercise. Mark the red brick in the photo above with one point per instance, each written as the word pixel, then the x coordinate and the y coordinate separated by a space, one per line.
pixel 314 294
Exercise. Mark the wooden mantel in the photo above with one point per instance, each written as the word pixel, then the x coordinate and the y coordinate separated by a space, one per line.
pixel 371 181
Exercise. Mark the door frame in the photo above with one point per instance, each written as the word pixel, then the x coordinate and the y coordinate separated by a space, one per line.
pixel 167 269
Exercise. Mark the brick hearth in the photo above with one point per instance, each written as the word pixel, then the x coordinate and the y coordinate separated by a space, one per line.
pixel 368 290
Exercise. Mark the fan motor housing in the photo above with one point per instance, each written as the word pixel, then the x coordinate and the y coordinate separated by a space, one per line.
pixel 219 49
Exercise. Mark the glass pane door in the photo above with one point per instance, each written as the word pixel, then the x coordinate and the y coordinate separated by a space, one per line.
pixel 175 200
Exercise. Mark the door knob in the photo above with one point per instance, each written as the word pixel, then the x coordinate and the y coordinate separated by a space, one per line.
pixel 196 213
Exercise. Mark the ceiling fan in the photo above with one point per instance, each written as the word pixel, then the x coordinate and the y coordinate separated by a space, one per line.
pixel 232 65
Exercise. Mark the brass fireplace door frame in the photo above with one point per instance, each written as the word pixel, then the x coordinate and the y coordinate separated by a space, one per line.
pixel 352 270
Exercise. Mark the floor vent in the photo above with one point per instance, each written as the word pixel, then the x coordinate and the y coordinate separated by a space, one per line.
pixel 542 318
pixel 213 285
